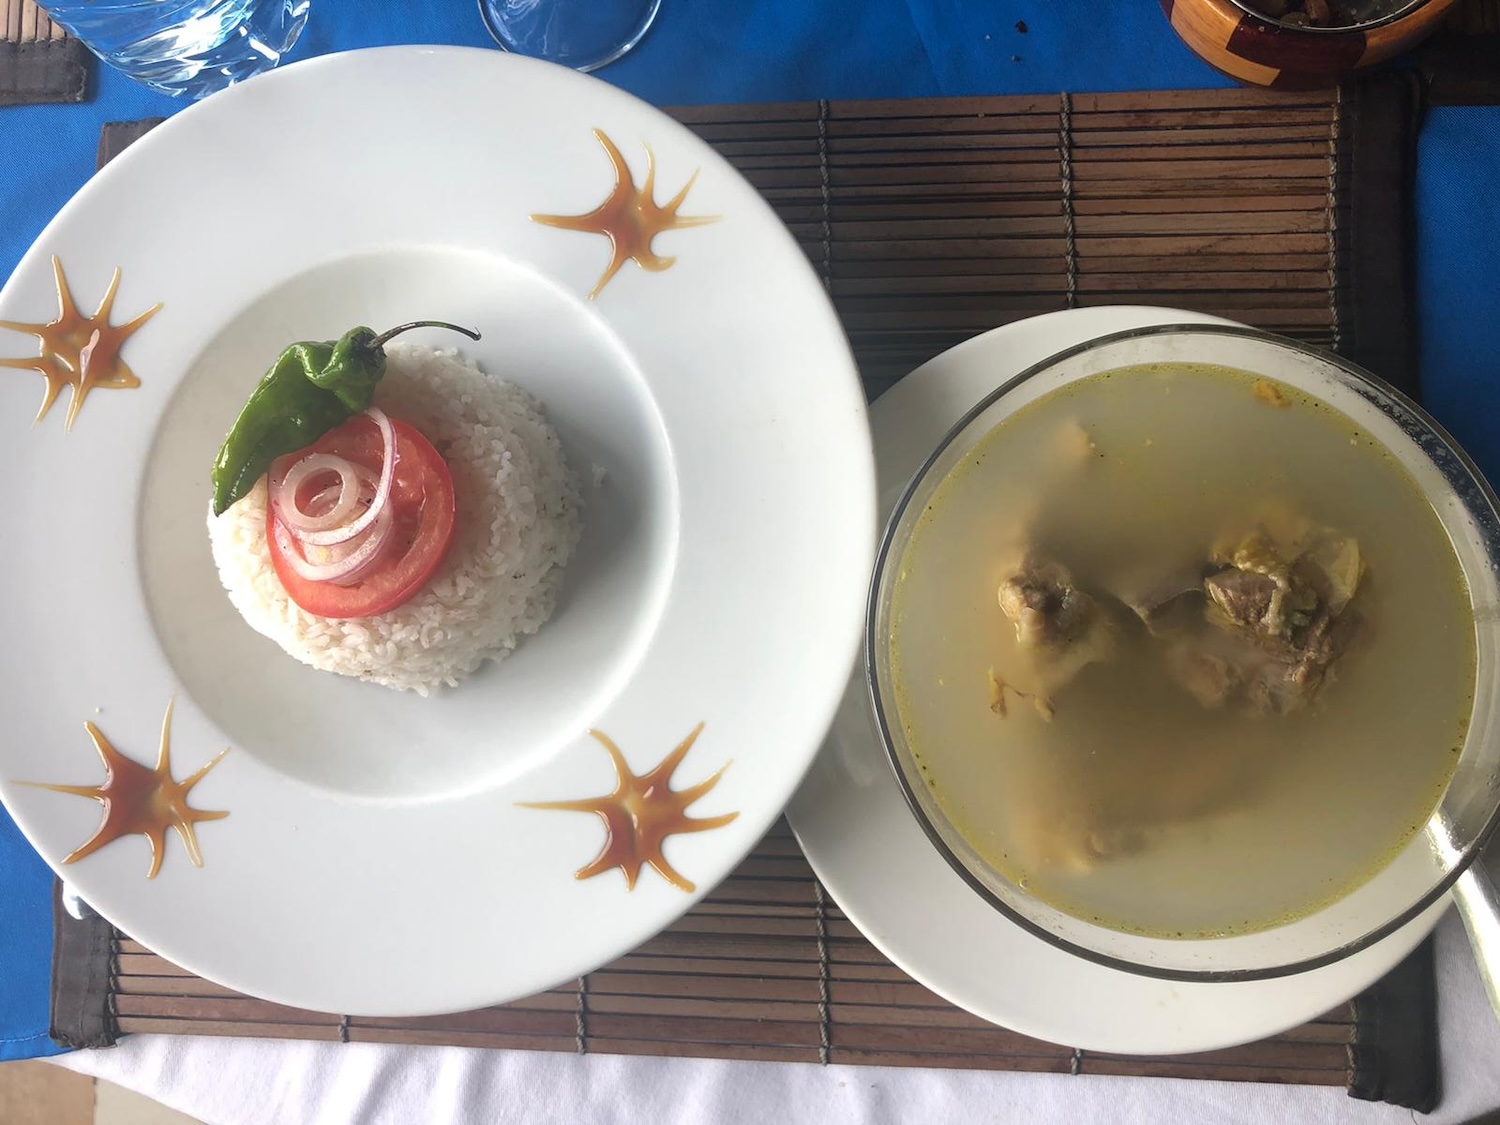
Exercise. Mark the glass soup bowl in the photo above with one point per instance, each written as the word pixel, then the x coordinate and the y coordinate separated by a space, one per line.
pixel 1468 510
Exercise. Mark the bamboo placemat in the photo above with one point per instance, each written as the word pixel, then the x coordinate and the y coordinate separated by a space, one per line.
pixel 929 221
pixel 934 220
pixel 766 968
pixel 38 62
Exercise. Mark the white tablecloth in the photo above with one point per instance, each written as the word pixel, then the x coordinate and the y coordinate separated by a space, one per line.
pixel 251 1081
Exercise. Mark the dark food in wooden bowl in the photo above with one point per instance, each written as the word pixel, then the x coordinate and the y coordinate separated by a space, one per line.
pixel 1295 44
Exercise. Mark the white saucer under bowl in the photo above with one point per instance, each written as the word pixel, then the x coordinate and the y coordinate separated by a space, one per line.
pixel 868 849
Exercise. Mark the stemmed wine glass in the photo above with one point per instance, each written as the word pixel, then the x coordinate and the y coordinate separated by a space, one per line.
pixel 582 34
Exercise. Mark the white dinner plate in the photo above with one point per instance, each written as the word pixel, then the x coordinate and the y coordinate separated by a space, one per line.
pixel 868 849
pixel 376 858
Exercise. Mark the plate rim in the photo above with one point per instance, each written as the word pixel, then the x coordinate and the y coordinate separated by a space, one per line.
pixel 816 706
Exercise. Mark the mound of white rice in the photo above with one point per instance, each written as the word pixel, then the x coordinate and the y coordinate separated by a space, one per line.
pixel 518 522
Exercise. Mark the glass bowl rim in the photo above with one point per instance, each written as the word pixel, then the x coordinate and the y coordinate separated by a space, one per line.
pixel 883 557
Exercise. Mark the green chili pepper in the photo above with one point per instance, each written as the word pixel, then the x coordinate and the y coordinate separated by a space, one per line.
pixel 311 388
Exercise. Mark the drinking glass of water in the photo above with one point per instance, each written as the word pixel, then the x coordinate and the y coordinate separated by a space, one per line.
pixel 185 48
pixel 582 34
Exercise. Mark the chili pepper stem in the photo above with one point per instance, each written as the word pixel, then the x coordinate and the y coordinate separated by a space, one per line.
pixel 381 340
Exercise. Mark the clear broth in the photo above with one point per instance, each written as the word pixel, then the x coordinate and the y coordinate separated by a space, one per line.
pixel 1240 822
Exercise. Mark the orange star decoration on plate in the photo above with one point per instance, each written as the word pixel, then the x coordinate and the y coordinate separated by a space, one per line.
pixel 141 800
pixel 641 813
pixel 630 217
pixel 78 351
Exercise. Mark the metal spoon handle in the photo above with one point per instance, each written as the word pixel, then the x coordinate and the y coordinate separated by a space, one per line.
pixel 1479 907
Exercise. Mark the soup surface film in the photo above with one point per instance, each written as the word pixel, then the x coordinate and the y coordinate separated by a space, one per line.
pixel 1182 651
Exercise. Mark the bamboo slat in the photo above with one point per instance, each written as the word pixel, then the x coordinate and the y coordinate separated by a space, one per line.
pixel 39 63
pixel 21 21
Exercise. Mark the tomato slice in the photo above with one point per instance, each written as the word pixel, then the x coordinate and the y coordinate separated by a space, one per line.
pixel 424 512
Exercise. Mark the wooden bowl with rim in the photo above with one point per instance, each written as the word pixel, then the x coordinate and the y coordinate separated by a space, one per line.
pixel 1238 38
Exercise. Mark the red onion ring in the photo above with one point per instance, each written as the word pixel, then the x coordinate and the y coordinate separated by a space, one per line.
pixel 285 486
pixel 345 571
pixel 370 552
pixel 346 549
pixel 320 531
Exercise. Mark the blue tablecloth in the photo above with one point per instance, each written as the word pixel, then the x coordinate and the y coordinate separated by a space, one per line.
pixel 707 51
